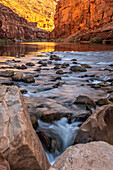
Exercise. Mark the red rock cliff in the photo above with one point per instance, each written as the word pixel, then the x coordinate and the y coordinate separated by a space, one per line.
pixel 14 27
pixel 76 15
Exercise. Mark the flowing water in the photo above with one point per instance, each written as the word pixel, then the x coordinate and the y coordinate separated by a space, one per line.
pixel 43 98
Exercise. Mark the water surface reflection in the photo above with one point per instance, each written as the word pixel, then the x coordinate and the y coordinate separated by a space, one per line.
pixel 32 48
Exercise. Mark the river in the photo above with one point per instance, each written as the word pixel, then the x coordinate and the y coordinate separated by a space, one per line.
pixel 45 98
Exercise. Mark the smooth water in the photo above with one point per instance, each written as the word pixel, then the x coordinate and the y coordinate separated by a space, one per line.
pixel 43 99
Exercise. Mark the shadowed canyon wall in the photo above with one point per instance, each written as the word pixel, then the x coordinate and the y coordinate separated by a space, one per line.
pixel 40 11
pixel 78 15
pixel 14 27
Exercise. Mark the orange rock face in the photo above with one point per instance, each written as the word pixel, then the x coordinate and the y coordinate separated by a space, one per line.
pixel 14 27
pixel 40 11
pixel 78 15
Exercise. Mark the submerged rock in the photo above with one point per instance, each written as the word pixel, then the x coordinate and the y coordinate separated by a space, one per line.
pixel 18 141
pixel 94 155
pixel 81 99
pixel 28 79
pixel 21 67
pixel 99 126
pixel 103 101
pixel 78 68
pixel 86 65
pixel 7 73
pixel 64 65
pixel 38 69
pixel 55 57
pixel 17 76
pixel 30 64
pixel 60 72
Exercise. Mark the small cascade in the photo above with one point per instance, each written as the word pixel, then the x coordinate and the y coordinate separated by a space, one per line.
pixel 62 135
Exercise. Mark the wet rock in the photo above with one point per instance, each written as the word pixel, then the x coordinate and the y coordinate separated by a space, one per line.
pixel 23 91
pixel 17 76
pixel 82 117
pixel 110 90
pixel 28 79
pixel 58 84
pixel 85 157
pixel 36 75
pixel 64 65
pixel 55 57
pixel 44 139
pixel 98 127
pixel 40 62
pixel 16 61
pixel 103 84
pixel 52 116
pixel 111 97
pixel 44 64
pixel 34 121
pixel 86 65
pixel 81 99
pixel 110 79
pixel 7 73
pixel 49 62
pixel 4 165
pixel 56 78
pixel 112 83
pixel 38 69
pixel 56 67
pixel 19 143
pixel 95 86
pixel 60 72
pixel 7 83
pixel 78 68
pixel 30 64
pixel 74 62
pixel 22 67
pixel 103 101
pixel 111 65
pixel 21 55
pixel 74 59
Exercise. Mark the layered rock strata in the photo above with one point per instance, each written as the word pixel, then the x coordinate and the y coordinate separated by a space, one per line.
pixel 81 16
pixel 18 141
pixel 14 27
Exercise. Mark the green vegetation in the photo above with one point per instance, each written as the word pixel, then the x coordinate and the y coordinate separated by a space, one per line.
pixel 5 41
pixel 74 39
pixel 96 40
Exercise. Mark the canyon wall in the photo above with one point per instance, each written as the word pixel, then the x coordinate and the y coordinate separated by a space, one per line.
pixel 12 26
pixel 81 15
pixel 40 11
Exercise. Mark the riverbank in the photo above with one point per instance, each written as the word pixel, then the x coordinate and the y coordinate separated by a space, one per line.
pixel 62 86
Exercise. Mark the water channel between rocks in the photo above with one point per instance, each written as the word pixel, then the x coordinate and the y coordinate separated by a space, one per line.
pixel 52 99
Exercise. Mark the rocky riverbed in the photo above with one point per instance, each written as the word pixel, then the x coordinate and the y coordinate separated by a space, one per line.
pixel 61 89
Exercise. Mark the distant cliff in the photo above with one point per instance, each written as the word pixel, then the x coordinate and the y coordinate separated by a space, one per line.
pixel 14 27
pixel 74 16
pixel 40 11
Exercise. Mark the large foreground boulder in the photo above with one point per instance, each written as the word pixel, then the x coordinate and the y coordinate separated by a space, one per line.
pixel 98 126
pixel 3 163
pixel 90 156
pixel 18 141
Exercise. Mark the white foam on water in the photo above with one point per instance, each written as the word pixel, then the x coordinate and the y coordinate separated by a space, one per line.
pixel 63 135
